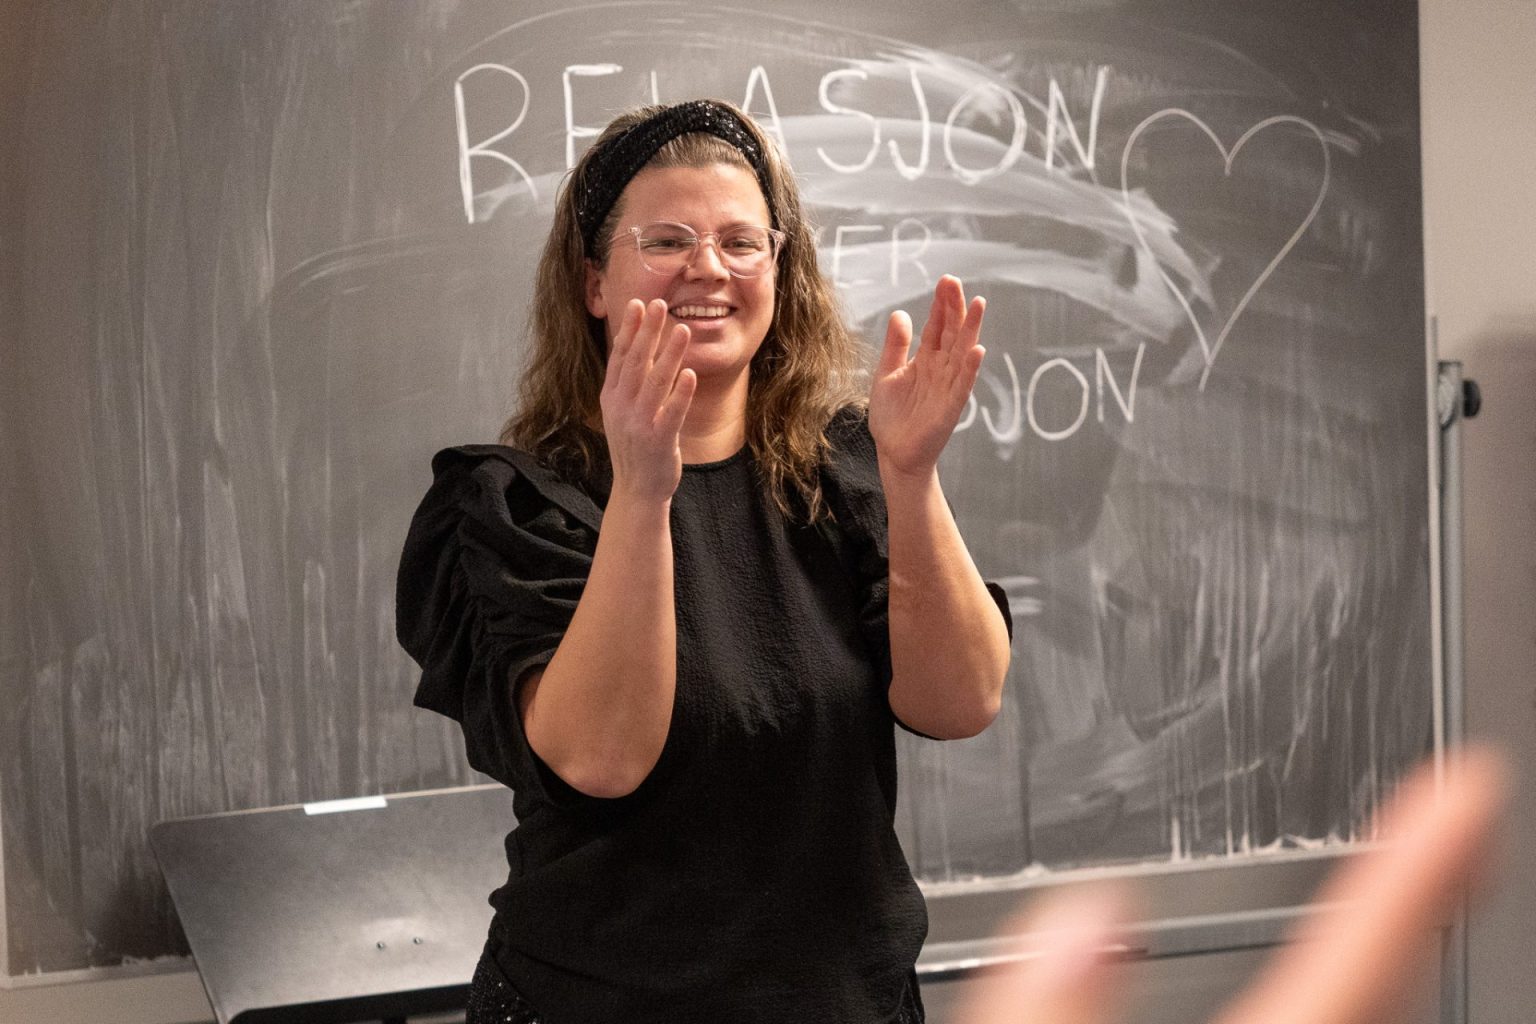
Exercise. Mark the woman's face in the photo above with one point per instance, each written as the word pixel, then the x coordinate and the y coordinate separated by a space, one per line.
pixel 727 316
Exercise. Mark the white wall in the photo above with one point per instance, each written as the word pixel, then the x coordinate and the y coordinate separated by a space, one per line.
pixel 155 999
pixel 1479 95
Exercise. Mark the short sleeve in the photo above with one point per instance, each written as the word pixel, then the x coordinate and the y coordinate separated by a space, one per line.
pixel 489 578
pixel 850 482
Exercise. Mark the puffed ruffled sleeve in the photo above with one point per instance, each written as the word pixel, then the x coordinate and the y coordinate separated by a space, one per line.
pixel 850 484
pixel 850 481
pixel 493 566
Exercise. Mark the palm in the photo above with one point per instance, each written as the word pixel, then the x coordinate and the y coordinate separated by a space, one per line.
pixel 914 404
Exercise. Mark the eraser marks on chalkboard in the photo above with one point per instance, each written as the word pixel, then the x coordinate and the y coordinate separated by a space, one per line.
pixel 1126 275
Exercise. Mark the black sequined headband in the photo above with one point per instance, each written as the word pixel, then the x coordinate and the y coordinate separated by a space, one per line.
pixel 621 158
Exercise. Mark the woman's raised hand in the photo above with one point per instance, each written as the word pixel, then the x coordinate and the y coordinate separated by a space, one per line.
pixel 645 397
pixel 914 404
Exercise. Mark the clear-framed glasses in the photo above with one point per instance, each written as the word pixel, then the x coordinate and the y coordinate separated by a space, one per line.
pixel 745 250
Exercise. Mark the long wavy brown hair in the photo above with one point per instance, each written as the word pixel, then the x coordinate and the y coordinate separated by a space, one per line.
pixel 805 370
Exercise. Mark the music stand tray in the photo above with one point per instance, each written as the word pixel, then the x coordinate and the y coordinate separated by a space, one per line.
pixel 349 910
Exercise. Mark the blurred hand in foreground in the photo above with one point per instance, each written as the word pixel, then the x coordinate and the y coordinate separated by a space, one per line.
pixel 1356 964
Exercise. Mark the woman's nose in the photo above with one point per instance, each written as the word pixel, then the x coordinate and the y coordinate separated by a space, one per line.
pixel 707 261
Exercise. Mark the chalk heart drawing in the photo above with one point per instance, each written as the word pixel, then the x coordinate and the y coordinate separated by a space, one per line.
pixel 1207 347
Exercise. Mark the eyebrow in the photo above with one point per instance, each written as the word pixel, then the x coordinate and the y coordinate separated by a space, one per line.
pixel 723 227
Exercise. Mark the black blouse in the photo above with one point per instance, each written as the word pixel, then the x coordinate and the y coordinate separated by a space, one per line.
pixel 754 876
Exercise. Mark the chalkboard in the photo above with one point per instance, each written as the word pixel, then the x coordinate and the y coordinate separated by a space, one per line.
pixel 264 259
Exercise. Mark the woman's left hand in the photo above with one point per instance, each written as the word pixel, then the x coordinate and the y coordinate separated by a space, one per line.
pixel 914 404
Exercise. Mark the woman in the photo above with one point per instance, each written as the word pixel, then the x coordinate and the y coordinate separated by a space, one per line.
pixel 680 612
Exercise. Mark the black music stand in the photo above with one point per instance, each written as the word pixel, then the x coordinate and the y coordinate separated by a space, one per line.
pixel 370 909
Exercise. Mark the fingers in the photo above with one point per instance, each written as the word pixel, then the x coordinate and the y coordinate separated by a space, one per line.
pixel 966 353
pixel 948 305
pixel 969 331
pixel 669 357
pixel 662 379
pixel 646 397
pixel 645 357
pixel 962 327
pixel 640 353
pixel 915 405
pixel 964 382
pixel 623 339
pixel 674 410
pixel 953 326
pixel 898 340
pixel 1063 977
pixel 1358 964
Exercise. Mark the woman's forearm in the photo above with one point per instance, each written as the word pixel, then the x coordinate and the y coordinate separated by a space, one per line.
pixel 599 713
pixel 949 644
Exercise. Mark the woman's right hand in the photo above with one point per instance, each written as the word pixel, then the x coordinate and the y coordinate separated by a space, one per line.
pixel 645 398
pixel 600 712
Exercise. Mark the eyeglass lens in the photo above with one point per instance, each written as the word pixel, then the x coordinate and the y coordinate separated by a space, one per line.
pixel 745 250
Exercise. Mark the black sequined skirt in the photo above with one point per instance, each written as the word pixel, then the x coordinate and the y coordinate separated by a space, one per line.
pixel 492 1000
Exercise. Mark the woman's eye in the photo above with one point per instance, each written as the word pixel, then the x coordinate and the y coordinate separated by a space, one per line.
pixel 668 244
pixel 744 244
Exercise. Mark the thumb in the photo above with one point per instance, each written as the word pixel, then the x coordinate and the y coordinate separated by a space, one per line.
pixel 898 340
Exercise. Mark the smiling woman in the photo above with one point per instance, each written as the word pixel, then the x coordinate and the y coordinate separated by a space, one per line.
pixel 806 360
pixel 726 314
pixel 683 609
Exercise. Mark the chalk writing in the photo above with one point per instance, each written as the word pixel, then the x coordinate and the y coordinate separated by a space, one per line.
pixel 573 131
pixel 1210 349
pixel 823 93
pixel 1056 113
pixel 907 240
pixel 468 152
pixel 757 79
pixel 841 232
pixel 898 256
pixel 904 169
pixel 1029 403
pixel 1016 403
pixel 982 95
pixel 973 176
pixel 851 260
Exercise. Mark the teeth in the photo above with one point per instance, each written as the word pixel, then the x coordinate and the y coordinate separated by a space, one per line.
pixel 685 312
